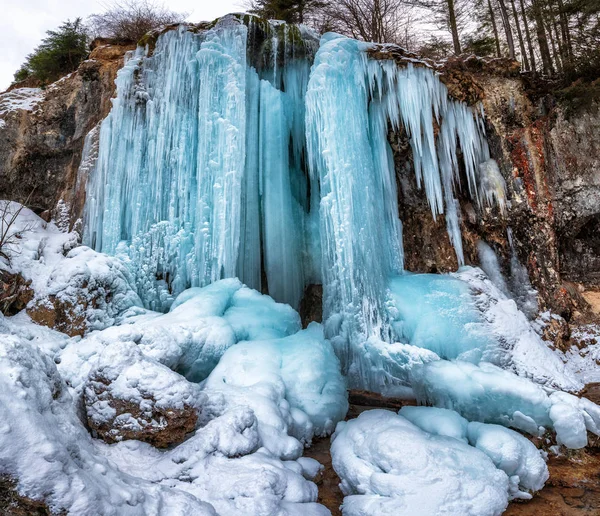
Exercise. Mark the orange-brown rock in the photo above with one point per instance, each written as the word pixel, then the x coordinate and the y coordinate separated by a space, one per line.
pixel 130 396
pixel 15 292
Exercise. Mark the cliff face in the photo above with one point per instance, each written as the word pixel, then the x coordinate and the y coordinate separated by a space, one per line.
pixel 42 131
pixel 549 158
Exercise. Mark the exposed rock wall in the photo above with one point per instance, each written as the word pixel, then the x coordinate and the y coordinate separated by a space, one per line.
pixel 551 165
pixel 40 148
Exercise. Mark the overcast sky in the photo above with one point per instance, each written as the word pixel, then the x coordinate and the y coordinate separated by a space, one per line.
pixel 23 23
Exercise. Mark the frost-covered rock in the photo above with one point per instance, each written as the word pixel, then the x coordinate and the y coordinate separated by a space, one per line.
pixel 75 288
pixel 130 396
pixel 390 466
pixel 293 385
pixel 50 456
pixel 509 450
pixel 489 394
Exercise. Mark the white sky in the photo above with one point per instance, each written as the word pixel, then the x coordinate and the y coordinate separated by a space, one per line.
pixel 23 23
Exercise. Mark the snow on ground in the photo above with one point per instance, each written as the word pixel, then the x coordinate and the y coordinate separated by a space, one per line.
pixel 514 454
pixel 20 98
pixel 275 388
pixel 292 384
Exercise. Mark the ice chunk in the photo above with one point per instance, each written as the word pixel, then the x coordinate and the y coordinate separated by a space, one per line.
pixel 484 393
pixel 572 417
pixel 400 469
pixel 437 421
pixel 512 453
pixel 489 394
pixel 294 386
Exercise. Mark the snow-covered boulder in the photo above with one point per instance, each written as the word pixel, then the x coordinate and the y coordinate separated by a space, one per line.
pixel 390 466
pixel 76 289
pixel 294 386
pixel 130 396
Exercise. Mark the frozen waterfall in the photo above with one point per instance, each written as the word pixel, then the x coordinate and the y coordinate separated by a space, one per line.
pixel 250 149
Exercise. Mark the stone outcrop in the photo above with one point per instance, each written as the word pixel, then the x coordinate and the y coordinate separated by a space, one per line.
pixel 13 504
pixel 15 292
pixel 129 396
pixel 40 148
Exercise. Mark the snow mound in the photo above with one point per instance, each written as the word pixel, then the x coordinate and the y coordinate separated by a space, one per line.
pixel 47 451
pixel 400 469
pixel 293 385
pixel 202 324
pixel 508 450
pixel 489 394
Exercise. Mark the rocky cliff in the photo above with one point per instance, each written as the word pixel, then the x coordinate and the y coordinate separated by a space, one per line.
pixel 42 132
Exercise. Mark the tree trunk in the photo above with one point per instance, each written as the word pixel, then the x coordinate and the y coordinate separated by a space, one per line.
pixel 564 25
pixel 495 29
pixel 542 38
pixel 453 27
pixel 528 36
pixel 507 30
pixel 520 35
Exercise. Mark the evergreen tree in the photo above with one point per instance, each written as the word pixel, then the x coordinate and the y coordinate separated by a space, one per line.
pixel 59 53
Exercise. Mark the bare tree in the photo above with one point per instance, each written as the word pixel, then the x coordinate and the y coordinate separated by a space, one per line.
pixel 9 235
pixel 382 21
pixel 130 20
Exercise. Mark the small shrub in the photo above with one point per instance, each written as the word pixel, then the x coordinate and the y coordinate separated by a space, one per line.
pixel 130 20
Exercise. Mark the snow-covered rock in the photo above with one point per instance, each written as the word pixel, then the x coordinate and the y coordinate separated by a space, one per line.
pixel 75 288
pixel 130 396
pixel 390 466
pixel 293 385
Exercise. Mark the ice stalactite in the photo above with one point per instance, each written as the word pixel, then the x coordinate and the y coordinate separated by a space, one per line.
pixel 200 174
pixel 352 101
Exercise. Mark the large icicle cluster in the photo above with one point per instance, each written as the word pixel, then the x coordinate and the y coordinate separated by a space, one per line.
pixel 200 171
pixel 351 102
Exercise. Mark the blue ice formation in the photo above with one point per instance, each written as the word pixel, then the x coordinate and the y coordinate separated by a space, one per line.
pixel 248 149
